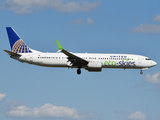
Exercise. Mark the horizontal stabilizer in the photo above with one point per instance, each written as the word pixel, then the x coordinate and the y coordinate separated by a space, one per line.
pixel 12 53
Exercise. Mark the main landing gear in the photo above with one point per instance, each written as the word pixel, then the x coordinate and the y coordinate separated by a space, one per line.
pixel 79 71
pixel 141 72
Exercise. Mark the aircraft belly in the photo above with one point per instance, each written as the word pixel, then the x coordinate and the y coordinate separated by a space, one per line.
pixel 51 63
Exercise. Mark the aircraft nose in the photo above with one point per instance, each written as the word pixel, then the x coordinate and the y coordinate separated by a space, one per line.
pixel 154 63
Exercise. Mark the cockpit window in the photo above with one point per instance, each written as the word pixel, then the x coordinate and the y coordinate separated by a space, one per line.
pixel 148 59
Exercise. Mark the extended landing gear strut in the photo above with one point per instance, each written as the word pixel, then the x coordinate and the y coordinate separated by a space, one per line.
pixel 143 69
pixel 79 71
pixel 141 72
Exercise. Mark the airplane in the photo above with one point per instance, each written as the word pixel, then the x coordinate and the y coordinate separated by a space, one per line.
pixel 93 62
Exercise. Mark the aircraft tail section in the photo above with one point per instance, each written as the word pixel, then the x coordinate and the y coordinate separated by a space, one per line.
pixel 12 53
pixel 16 43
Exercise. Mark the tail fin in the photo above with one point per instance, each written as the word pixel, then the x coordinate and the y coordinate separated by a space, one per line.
pixel 16 43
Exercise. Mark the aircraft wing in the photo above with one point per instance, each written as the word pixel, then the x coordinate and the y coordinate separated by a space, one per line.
pixel 75 60
pixel 12 53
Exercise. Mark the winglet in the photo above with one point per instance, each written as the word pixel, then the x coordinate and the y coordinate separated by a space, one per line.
pixel 59 46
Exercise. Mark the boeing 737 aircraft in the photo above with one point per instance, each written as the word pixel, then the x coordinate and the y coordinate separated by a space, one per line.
pixel 89 61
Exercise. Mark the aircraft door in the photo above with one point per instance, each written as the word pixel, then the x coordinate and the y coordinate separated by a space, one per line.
pixel 139 60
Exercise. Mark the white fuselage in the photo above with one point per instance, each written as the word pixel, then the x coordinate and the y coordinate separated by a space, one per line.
pixel 107 60
pixel 90 61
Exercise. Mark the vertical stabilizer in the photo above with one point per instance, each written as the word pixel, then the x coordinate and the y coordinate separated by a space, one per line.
pixel 16 43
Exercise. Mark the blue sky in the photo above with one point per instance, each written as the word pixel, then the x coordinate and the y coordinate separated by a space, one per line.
pixel 29 92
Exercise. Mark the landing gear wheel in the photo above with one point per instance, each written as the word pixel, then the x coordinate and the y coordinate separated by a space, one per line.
pixel 141 72
pixel 78 71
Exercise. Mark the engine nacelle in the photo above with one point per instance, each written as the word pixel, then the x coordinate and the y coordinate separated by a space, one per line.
pixel 94 66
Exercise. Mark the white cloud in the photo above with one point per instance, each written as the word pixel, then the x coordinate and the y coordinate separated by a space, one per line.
pixel 48 110
pixel 2 96
pixel 28 6
pixel 9 105
pixel 147 28
pixel 77 21
pixel 78 6
pixel 137 115
pixel 155 78
pixel 89 21
pixel 157 18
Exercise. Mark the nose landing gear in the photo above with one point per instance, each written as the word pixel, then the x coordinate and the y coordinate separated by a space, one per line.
pixel 79 71
pixel 141 72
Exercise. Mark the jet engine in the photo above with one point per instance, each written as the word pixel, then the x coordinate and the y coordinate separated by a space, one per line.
pixel 94 66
